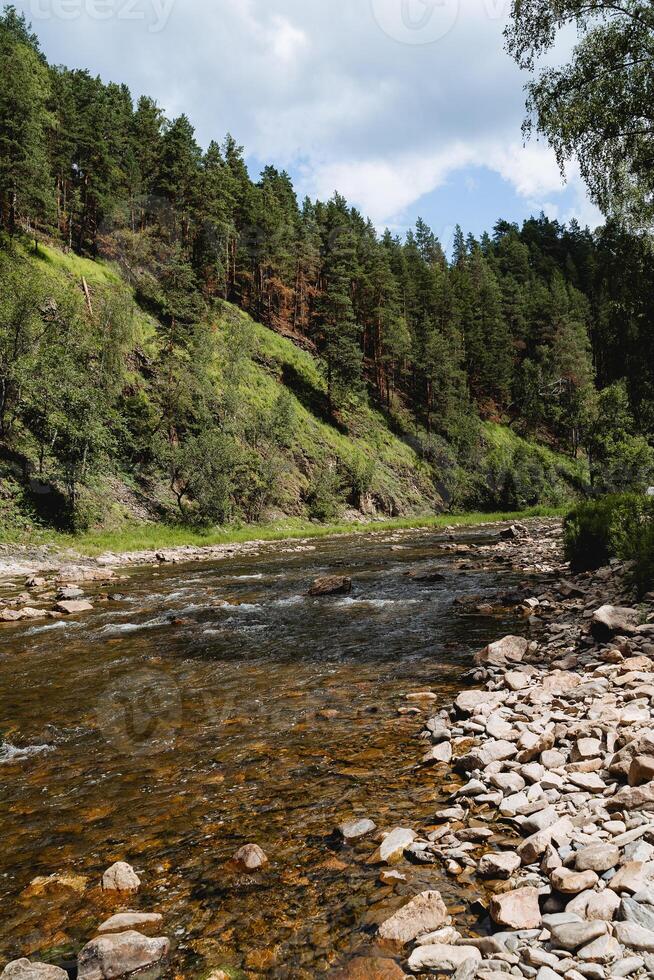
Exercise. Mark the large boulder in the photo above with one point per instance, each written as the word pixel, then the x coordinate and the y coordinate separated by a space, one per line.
pixel 24 970
pixel 517 909
pixel 510 649
pixel 423 914
pixel 331 585
pixel 119 955
pixel 611 620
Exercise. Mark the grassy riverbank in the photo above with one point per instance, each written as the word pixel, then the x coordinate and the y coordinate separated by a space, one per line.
pixel 146 537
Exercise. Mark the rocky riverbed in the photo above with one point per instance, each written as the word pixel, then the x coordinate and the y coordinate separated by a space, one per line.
pixel 554 817
pixel 544 769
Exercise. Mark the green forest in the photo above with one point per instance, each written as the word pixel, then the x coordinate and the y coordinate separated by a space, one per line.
pixel 181 341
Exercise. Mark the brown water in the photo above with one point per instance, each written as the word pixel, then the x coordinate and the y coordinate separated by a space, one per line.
pixel 166 731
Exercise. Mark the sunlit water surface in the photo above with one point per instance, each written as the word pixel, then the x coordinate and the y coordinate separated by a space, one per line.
pixel 167 730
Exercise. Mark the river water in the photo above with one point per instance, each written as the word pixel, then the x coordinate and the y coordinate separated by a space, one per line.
pixel 167 729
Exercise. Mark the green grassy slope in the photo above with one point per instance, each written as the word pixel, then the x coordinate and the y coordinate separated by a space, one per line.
pixel 399 481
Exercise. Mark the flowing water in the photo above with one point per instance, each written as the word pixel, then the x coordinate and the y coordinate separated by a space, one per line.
pixel 167 730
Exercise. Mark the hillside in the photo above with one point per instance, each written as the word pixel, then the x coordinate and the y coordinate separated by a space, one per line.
pixel 271 397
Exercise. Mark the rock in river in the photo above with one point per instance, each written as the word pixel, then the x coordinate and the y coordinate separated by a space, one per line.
pixel 355 829
pixel 331 585
pixel 250 857
pixel 423 914
pixel 119 955
pixel 24 970
pixel 120 877
pixel 370 968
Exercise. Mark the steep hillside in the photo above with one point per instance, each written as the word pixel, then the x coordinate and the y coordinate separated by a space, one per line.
pixel 285 453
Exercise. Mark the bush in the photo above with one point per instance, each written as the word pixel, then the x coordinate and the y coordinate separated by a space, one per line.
pixel 324 495
pixel 616 526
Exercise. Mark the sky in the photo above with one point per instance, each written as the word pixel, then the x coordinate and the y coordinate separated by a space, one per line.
pixel 407 107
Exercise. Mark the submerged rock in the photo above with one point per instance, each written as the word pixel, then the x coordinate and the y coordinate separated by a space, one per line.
pixel 423 914
pixel 370 968
pixel 250 857
pixel 356 829
pixel 119 955
pixel 23 969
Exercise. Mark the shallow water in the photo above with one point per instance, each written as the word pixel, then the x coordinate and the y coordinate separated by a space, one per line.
pixel 167 730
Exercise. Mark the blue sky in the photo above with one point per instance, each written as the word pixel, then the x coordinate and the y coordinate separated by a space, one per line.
pixel 407 107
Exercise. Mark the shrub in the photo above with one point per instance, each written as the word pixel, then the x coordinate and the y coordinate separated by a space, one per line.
pixel 324 495
pixel 616 526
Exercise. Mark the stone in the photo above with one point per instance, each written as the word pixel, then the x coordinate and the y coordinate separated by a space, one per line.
pixel 590 782
pixel 250 857
pixel 510 649
pixel 517 909
pixel 468 702
pixel 120 877
pixel 71 607
pixel 586 748
pixel 123 921
pixel 45 884
pixel 493 750
pixel 628 966
pixel 119 955
pixel 391 877
pixel 631 798
pixel 634 936
pixel 573 935
pixel 611 620
pixel 508 782
pixel 423 914
pixel 552 759
pixel 597 857
pixel 572 882
pixel 596 906
pixel 604 950
pixel 356 829
pixel 23 969
pixel 632 877
pixel 370 968
pixel 393 845
pixel 442 959
pixel 633 911
pixel 331 585
pixel 70 592
pixel 426 575
pixel 641 770
pixel 499 865
pixel 438 755
pixel 516 680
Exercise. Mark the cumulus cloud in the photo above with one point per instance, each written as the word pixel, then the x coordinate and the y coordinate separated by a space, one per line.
pixel 385 100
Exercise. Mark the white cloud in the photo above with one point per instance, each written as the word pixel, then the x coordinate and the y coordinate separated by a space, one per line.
pixel 348 93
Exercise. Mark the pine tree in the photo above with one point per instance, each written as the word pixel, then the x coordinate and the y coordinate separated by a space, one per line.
pixel 26 193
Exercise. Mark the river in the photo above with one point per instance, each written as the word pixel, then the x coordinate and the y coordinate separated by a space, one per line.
pixel 167 729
